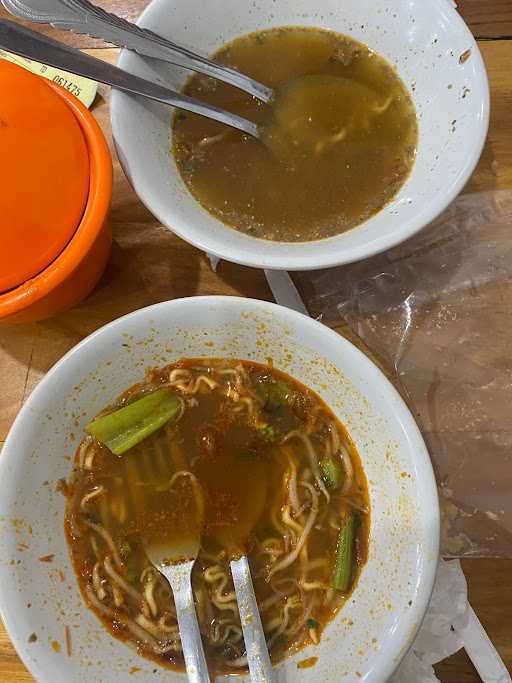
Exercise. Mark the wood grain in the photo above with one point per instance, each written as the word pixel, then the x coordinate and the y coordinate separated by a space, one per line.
pixel 489 592
pixel 486 18
pixel 149 264
pixel 494 171
pixel 129 10
pixel 491 598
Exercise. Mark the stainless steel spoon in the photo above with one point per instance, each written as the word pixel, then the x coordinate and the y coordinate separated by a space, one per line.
pixel 232 538
pixel 258 659
pixel 27 43
pixel 81 16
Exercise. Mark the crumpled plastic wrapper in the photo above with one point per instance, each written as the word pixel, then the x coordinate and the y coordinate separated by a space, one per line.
pixel 450 623
pixel 436 312
pixel 214 261
pixel 436 639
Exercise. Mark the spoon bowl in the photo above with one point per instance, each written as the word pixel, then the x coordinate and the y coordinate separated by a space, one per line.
pixel 233 537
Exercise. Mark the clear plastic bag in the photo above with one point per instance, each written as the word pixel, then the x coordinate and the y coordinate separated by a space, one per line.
pixel 437 310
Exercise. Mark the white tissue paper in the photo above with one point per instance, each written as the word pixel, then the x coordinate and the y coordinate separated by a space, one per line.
pixel 438 636
pixel 450 623
pixel 214 261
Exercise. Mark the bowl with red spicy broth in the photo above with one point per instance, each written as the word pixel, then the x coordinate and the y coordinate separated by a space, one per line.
pixel 266 410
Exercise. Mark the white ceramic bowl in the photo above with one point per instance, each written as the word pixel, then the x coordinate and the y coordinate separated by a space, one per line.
pixel 372 632
pixel 425 40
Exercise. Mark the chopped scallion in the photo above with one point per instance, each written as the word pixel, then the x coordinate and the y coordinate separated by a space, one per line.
pixel 332 473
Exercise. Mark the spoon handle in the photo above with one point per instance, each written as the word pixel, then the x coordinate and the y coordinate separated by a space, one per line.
pixel 258 658
pixel 27 43
pixel 146 42
pixel 178 576
pixel 81 16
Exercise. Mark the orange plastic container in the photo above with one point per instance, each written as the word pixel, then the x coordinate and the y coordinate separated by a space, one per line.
pixel 56 237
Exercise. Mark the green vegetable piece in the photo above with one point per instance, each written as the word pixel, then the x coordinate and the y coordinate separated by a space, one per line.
pixel 269 433
pixel 312 623
pixel 278 394
pixel 131 576
pixel 343 566
pixel 247 455
pixel 128 426
pixel 332 473
pixel 125 549
pixel 269 530
pixel 280 641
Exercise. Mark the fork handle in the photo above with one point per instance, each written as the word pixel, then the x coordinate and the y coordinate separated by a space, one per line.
pixel 190 635
pixel 81 16
pixel 146 42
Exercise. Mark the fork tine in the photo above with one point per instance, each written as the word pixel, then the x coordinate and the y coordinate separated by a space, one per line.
pixel 121 502
pixel 146 458
pixel 161 462
pixel 136 492
pixel 104 510
pixel 177 458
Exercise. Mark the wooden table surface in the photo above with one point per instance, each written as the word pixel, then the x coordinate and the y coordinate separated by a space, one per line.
pixel 149 264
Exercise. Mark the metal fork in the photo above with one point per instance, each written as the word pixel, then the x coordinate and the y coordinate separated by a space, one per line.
pixel 172 555
pixel 81 16
pixel 178 575
pixel 175 559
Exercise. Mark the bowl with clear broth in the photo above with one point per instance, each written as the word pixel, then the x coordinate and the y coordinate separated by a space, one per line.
pixel 58 602
pixel 380 117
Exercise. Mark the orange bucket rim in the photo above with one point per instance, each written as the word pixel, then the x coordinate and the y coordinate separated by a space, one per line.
pixel 96 209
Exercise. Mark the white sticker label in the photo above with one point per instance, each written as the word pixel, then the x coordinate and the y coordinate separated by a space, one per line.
pixel 83 88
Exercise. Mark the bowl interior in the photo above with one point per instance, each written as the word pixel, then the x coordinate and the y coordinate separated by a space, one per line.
pixel 425 40
pixel 374 629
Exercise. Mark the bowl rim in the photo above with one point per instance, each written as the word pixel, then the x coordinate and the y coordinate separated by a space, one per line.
pixel 332 255
pixel 91 223
pixel 401 413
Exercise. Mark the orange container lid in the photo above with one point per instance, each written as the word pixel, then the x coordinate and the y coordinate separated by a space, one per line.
pixel 44 175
